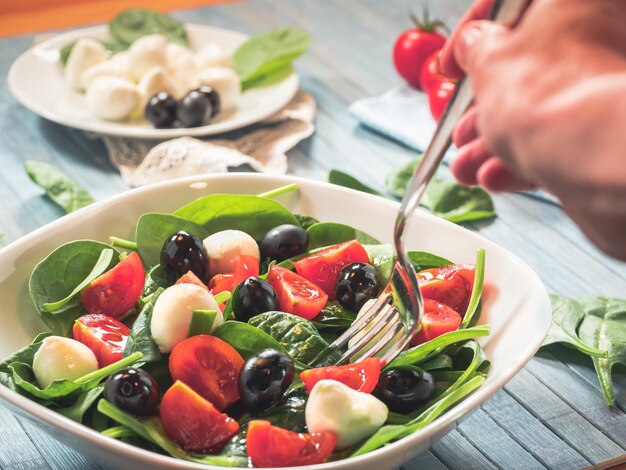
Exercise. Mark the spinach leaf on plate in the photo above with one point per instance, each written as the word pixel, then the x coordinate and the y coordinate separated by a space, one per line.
pixel 330 233
pixel 59 187
pixel 140 337
pixel 398 180
pixel 477 290
pixel 305 220
pixel 25 355
pixel 333 317
pixel 348 181
pixel 134 23
pixel 424 260
pixel 382 258
pixel 84 401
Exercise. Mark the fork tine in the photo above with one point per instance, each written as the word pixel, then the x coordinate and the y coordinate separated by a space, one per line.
pixel 396 349
pixel 360 323
pixel 392 329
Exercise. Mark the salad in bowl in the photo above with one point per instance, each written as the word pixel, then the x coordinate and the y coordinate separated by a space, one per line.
pixel 202 337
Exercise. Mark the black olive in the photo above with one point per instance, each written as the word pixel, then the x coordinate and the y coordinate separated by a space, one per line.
pixel 403 390
pixel 194 109
pixel 213 97
pixel 357 283
pixel 253 296
pixel 161 110
pixel 283 242
pixel 264 379
pixel 134 391
pixel 182 253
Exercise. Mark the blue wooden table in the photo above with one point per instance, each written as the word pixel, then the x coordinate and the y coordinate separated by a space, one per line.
pixel 551 415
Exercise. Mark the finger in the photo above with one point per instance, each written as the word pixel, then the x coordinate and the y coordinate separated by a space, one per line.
pixel 495 176
pixel 469 159
pixel 478 11
pixel 466 130
pixel 474 42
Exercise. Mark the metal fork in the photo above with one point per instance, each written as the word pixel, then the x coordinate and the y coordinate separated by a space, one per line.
pixel 396 315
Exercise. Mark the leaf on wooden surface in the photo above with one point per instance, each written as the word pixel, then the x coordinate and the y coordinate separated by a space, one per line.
pixel 59 187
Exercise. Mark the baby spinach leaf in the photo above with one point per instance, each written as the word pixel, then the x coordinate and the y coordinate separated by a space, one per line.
pixel 140 338
pixel 154 228
pixel 305 220
pixel 477 290
pixel 59 187
pixel 56 277
pixel 251 214
pixel 246 339
pixel 152 430
pixel 25 355
pixel 441 361
pixel 333 317
pixel 382 258
pixel 134 23
pixel 457 203
pixel 423 260
pixel 83 403
pixel 268 52
pixel 348 181
pixel 398 180
pixel 330 233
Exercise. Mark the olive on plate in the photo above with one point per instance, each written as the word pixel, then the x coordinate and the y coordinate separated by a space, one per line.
pixel 134 391
pixel 264 378
pixel 182 253
pixel 213 97
pixel 253 296
pixel 403 390
pixel 357 283
pixel 283 242
pixel 194 109
pixel 160 110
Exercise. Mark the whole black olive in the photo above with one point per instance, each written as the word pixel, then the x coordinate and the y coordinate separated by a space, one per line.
pixel 161 110
pixel 134 391
pixel 283 242
pixel 264 378
pixel 253 296
pixel 182 253
pixel 213 97
pixel 357 283
pixel 194 109
pixel 403 390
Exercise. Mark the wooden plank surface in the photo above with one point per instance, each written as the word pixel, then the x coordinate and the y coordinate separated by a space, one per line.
pixel 551 415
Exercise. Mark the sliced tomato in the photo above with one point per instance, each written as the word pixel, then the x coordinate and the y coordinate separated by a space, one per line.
pixel 271 446
pixel 323 267
pixel 193 422
pixel 104 335
pixel 115 292
pixel 438 319
pixel 210 366
pixel 295 294
pixel 451 285
pixel 245 267
pixel 190 278
pixel 361 376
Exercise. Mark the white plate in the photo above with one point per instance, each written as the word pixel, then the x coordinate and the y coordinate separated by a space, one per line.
pixel 36 80
pixel 515 304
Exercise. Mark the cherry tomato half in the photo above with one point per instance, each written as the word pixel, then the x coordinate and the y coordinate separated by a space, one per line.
pixel 104 335
pixel 271 446
pixel 295 294
pixel 361 376
pixel 451 285
pixel 245 267
pixel 438 319
pixel 193 422
pixel 411 49
pixel 323 268
pixel 438 97
pixel 116 292
pixel 190 278
pixel 209 366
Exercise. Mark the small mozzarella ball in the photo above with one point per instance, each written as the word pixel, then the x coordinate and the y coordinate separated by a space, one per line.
pixel 112 98
pixel 62 358
pixel 173 311
pixel 348 414
pixel 222 247
pixel 212 55
pixel 181 65
pixel 155 81
pixel 116 66
pixel 146 53
pixel 367 327
pixel 226 82
pixel 85 54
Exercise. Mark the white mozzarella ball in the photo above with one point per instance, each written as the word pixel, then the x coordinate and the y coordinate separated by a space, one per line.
pixel 212 55
pixel 367 327
pixel 112 98
pixel 146 53
pixel 173 311
pixel 222 248
pixel 226 82
pixel 116 66
pixel 350 415
pixel 181 65
pixel 155 81
pixel 62 358
pixel 85 54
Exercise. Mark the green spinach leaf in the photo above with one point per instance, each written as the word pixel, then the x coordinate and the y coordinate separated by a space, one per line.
pixel 305 220
pixel 330 233
pixel 246 339
pixel 333 317
pixel 140 338
pixel 382 258
pixel 58 186
pixel 477 290
pixel 25 355
pixel 441 361
pixel 85 401
pixel 398 180
pixel 423 260
pixel 348 181
pixel 134 23
pixel 457 203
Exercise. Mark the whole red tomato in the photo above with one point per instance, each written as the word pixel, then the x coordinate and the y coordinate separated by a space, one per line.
pixel 438 97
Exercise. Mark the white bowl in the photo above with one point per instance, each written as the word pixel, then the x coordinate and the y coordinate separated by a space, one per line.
pixel 36 80
pixel 516 304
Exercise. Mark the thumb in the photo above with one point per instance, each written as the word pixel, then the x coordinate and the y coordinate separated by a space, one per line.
pixel 474 41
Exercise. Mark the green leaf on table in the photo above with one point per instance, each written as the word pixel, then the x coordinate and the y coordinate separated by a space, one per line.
pixel 305 220
pixel 424 260
pixel 457 203
pixel 24 355
pixel 140 337
pixel 398 180
pixel 134 23
pixel 266 53
pixel 59 187
pixel 58 275
pixel 344 179
pixel 330 233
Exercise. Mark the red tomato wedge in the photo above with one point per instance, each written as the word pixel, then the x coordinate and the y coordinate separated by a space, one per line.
pixel 193 422
pixel 323 267
pixel 209 366
pixel 271 446
pixel 104 335
pixel 451 285
pixel 361 376
pixel 190 278
pixel 116 292
pixel 296 295
pixel 245 267
pixel 438 319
